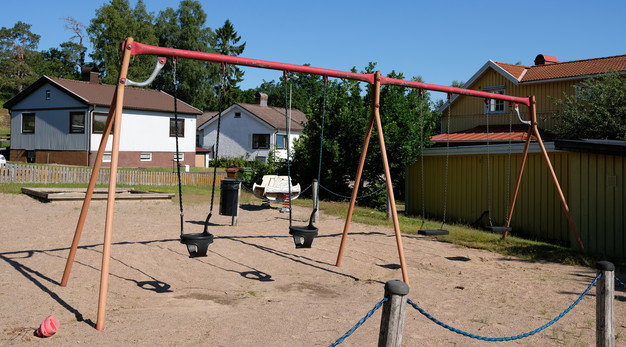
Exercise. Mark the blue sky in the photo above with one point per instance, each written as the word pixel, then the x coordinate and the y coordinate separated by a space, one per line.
pixel 441 41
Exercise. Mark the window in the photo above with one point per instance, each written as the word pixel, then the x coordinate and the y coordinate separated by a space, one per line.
pixel 145 156
pixel 174 127
pixel 260 141
pixel 237 114
pixel 48 94
pixel 28 123
pixel 99 123
pixel 106 158
pixel 281 141
pixel 180 157
pixel 77 122
pixel 494 105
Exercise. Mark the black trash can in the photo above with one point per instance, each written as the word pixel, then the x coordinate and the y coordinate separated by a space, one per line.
pixel 229 196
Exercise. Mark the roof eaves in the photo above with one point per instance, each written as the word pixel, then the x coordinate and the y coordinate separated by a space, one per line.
pixel 489 64
pixel 561 79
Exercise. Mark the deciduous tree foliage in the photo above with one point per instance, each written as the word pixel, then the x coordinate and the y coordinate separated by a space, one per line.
pixel 184 28
pixel 597 110
pixel 112 24
pixel 348 108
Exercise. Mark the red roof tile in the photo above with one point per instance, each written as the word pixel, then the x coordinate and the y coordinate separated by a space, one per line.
pixel 497 133
pixel 565 69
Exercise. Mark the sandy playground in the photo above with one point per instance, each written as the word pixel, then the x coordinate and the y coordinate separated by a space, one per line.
pixel 255 289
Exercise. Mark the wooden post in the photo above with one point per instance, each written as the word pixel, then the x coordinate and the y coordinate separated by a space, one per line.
pixel 605 313
pixel 316 203
pixel 392 320
pixel 108 225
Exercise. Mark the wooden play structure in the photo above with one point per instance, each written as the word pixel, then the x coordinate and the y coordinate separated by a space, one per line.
pixel 376 80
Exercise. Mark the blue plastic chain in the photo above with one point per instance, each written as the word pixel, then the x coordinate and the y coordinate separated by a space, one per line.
pixel 359 323
pixel 510 338
pixel 619 282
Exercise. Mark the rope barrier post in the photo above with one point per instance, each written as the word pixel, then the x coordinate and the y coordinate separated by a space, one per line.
pixel 392 321
pixel 605 313
pixel 316 203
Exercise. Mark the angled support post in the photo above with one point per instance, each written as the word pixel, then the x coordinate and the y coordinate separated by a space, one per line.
pixel 375 117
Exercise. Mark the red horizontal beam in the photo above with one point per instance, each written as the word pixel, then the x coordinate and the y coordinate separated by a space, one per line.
pixel 138 48
pixel 454 90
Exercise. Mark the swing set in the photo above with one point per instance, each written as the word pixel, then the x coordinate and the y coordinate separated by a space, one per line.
pixel 376 80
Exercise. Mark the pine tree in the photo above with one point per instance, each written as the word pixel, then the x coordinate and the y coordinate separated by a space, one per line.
pixel 18 47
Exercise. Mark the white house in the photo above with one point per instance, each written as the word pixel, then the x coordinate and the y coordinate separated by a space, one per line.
pixel 250 130
pixel 61 121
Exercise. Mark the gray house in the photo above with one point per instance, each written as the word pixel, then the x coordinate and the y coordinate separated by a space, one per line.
pixel 250 130
pixel 61 121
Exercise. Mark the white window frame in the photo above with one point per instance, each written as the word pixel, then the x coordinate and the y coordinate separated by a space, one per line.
pixel 284 146
pixel 106 158
pixel 495 106
pixel 180 155
pixel 145 156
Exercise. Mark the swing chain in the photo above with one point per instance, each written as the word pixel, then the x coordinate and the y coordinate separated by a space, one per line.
pixel 445 180
pixel 489 188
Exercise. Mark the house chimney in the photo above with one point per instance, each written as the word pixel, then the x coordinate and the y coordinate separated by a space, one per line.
pixel 89 74
pixel 541 59
pixel 261 99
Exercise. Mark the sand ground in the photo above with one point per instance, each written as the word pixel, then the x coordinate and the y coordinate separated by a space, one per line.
pixel 255 289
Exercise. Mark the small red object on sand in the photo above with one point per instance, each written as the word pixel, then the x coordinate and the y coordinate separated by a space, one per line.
pixel 48 327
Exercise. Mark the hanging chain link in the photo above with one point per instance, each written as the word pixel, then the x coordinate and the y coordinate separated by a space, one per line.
pixel 489 188
pixel 422 147
pixel 508 168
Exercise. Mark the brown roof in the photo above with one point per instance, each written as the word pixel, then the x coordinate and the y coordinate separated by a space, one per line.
pixel 274 116
pixel 102 94
pixel 134 98
pixel 565 69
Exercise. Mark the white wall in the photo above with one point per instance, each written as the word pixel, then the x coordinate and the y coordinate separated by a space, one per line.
pixel 149 131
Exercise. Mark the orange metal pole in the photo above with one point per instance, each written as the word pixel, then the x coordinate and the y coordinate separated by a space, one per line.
pixel 392 201
pixel 92 185
pixel 108 226
pixel 357 181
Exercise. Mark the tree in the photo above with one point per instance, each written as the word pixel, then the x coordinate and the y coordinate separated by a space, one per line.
pixel 197 81
pixel 597 110
pixel 113 23
pixel 18 46
pixel 61 62
pixel 225 41
pixel 78 29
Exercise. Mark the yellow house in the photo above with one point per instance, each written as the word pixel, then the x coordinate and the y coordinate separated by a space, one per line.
pixel 469 175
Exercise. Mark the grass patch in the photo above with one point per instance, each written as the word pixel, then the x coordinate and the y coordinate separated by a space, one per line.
pixel 466 236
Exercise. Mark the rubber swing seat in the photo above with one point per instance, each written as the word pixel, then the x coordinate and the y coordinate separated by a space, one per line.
pixel 197 243
pixel 496 229
pixel 433 232
pixel 303 235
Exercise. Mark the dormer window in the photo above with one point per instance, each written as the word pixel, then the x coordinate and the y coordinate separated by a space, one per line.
pixel 495 105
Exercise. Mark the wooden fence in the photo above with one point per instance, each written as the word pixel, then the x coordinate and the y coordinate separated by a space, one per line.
pixel 25 173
